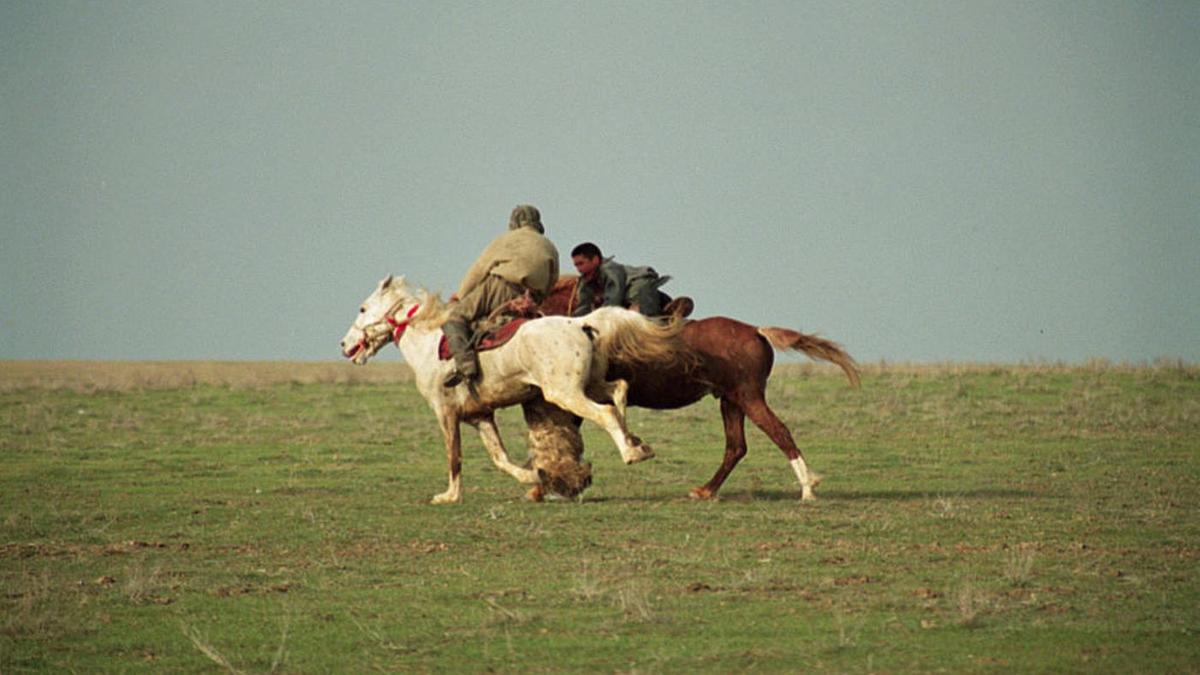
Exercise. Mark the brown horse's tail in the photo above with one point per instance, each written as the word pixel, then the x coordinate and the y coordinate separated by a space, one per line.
pixel 816 348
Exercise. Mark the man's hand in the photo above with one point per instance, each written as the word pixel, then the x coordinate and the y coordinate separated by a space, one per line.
pixel 523 305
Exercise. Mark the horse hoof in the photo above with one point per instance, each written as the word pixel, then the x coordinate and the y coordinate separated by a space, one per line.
pixel 535 494
pixel 445 498
pixel 701 494
pixel 639 453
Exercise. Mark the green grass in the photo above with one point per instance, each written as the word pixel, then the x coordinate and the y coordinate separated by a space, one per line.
pixel 972 519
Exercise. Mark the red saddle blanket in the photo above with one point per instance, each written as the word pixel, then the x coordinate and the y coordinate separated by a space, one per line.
pixel 492 340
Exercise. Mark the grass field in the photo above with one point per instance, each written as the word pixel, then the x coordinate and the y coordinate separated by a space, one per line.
pixel 273 517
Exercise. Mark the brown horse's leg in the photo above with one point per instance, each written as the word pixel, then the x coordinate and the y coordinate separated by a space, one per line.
pixel 735 449
pixel 761 414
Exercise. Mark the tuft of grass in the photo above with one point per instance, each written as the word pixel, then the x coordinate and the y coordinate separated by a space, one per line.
pixel 587 584
pixel 633 599
pixel 201 643
pixel 945 507
pixel 1018 567
pixel 847 634
pixel 32 614
pixel 971 605
pixel 143 586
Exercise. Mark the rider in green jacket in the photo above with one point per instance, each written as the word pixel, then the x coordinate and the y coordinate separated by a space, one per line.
pixel 619 285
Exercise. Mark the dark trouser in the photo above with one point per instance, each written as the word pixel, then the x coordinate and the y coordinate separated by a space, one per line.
pixel 644 296
pixel 458 339
pixel 478 304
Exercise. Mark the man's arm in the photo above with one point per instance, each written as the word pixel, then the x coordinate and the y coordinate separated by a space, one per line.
pixel 614 285
pixel 478 270
pixel 585 296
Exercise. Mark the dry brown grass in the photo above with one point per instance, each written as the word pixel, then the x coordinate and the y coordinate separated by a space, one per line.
pixel 1095 365
pixel 87 376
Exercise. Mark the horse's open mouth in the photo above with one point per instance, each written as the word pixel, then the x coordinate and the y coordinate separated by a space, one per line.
pixel 355 350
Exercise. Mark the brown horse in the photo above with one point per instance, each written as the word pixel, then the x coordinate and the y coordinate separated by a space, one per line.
pixel 734 362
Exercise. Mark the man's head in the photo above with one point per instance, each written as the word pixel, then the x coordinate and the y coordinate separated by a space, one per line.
pixel 587 259
pixel 525 215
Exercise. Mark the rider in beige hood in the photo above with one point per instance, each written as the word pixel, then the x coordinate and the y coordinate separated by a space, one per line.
pixel 519 262
pixel 522 256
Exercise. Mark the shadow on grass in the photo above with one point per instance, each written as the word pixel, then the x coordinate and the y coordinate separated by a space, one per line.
pixel 749 495
pixel 833 495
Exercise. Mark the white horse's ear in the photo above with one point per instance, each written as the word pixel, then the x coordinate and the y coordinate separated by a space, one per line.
pixel 399 281
pixel 386 282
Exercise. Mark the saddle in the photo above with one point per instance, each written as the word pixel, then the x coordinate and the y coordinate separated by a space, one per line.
pixel 490 339
pixel 681 307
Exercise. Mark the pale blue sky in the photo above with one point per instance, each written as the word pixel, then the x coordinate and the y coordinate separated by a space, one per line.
pixel 922 181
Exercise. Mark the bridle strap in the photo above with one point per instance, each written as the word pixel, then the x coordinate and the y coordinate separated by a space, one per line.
pixel 398 327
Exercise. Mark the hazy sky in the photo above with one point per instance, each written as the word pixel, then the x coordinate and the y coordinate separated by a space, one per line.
pixel 920 181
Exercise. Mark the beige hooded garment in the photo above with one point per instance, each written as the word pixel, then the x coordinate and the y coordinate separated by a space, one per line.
pixel 522 256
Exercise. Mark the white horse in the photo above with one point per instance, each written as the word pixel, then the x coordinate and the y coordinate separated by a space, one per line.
pixel 563 357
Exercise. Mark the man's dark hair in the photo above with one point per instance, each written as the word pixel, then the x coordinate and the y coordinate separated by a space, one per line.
pixel 586 249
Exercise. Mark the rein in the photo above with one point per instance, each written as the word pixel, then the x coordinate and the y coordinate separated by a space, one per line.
pixel 398 327
pixel 574 293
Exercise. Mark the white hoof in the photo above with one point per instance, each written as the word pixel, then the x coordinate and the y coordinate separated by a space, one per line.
pixel 446 498
pixel 638 453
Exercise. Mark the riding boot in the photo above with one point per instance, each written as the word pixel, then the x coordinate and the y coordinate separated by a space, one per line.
pixel 466 364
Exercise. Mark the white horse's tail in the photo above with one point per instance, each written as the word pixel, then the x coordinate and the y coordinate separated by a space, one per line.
pixel 627 337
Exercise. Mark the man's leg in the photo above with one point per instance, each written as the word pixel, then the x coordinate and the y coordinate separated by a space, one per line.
pixel 645 298
pixel 458 339
pixel 459 328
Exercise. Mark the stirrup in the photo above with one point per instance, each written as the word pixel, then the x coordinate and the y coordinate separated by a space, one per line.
pixel 469 374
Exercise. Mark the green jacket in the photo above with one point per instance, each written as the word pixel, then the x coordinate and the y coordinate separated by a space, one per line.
pixel 522 256
pixel 614 281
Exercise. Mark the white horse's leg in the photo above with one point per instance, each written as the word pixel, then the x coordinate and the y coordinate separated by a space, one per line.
pixel 608 417
pixel 490 435
pixel 450 433
pixel 616 391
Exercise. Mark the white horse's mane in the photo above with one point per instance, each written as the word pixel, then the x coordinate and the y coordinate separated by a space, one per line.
pixel 433 312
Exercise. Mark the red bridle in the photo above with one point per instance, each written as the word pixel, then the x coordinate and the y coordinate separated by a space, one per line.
pixel 398 327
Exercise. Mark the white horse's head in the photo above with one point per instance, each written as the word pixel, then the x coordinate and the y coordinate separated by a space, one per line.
pixel 374 326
